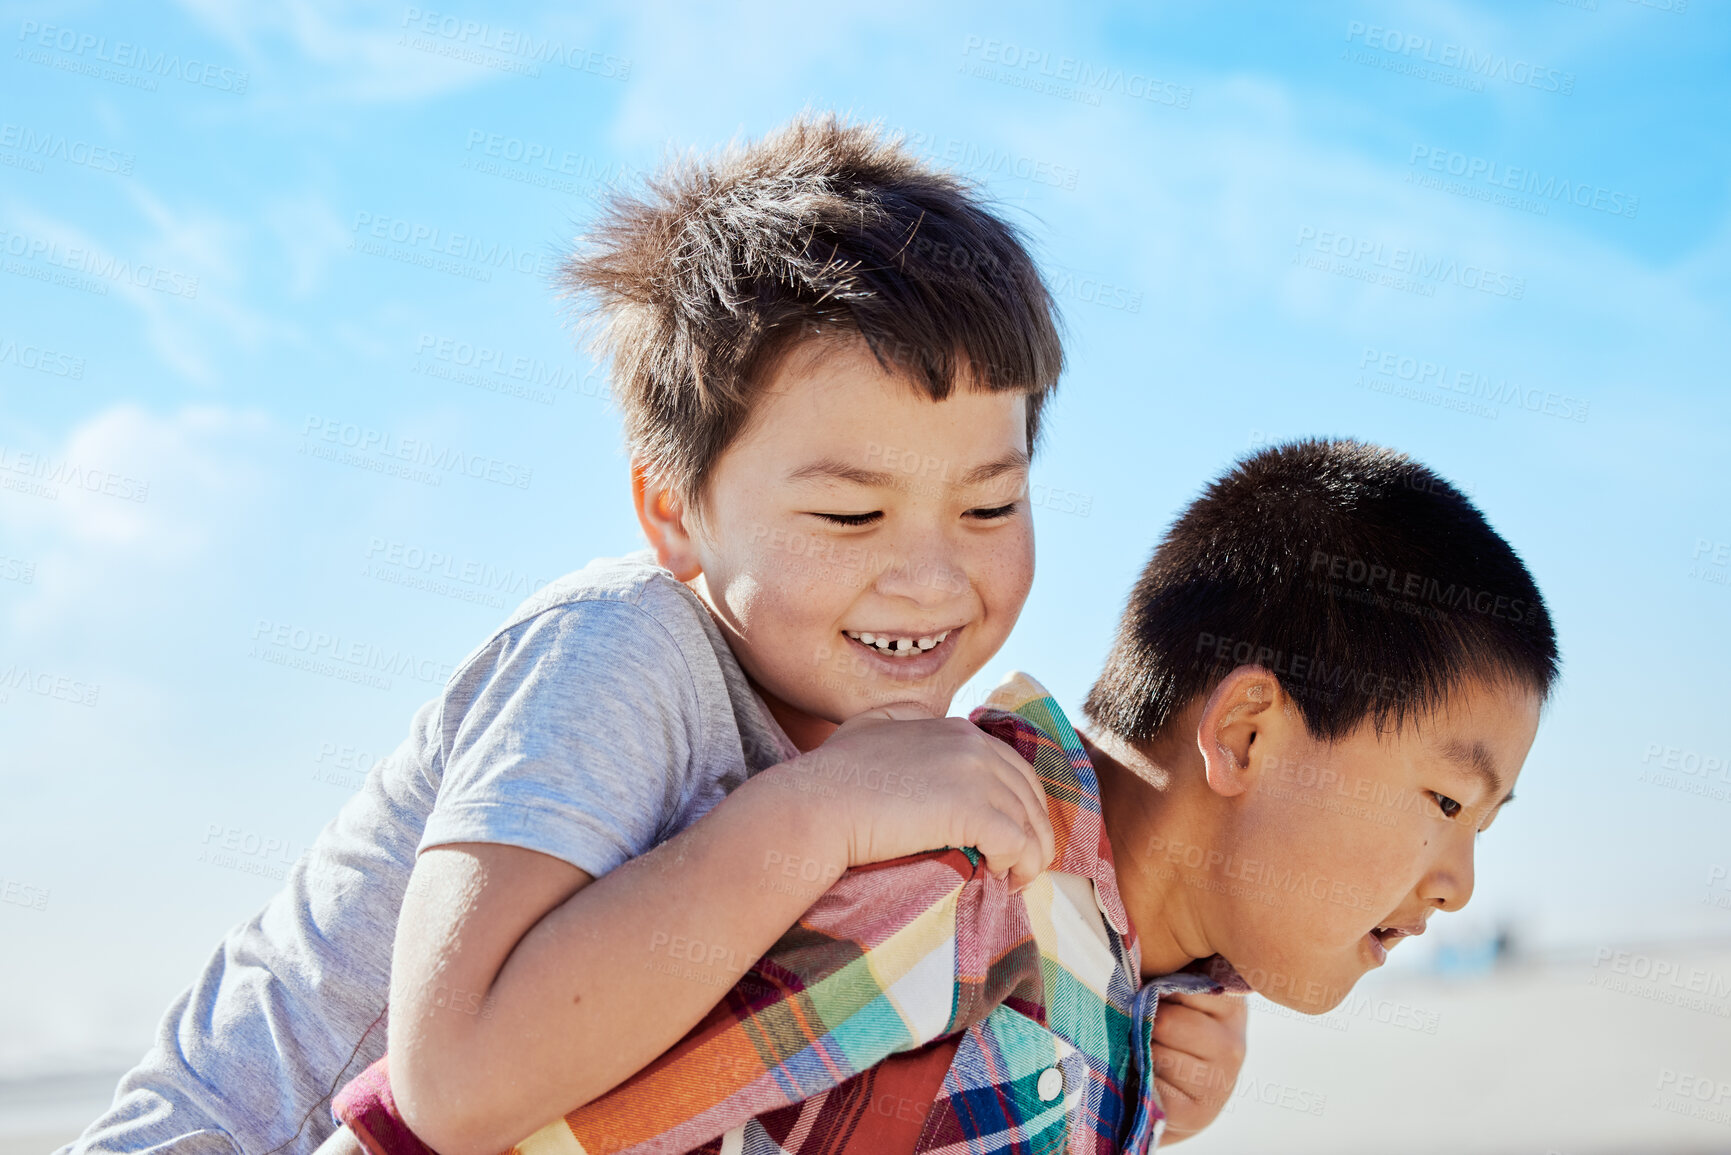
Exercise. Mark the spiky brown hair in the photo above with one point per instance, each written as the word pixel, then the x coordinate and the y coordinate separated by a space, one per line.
pixel 696 285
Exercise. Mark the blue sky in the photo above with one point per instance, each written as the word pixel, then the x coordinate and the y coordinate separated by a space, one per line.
pixel 1494 236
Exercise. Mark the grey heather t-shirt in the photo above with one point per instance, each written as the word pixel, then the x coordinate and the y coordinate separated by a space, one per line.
pixel 604 717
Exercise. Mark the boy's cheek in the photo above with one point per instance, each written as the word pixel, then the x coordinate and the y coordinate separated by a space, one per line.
pixel 1003 572
pixel 1023 558
pixel 1304 953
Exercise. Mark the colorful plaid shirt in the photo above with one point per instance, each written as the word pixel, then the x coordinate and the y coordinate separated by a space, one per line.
pixel 917 1006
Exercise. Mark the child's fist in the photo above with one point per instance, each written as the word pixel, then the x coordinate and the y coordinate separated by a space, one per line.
pixel 1198 1049
pixel 897 781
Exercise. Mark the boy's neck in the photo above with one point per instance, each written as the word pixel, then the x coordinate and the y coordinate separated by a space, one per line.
pixel 1144 805
pixel 802 729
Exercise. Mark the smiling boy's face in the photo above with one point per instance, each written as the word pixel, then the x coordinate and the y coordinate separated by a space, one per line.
pixel 859 543
pixel 1338 850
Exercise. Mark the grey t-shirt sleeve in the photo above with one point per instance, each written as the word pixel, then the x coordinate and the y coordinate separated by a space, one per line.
pixel 571 734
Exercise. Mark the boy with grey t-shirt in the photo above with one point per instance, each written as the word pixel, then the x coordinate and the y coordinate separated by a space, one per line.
pixel 619 705
pixel 614 668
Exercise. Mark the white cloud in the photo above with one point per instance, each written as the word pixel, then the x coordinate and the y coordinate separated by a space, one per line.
pixel 311 236
pixel 187 252
pixel 356 52
pixel 128 492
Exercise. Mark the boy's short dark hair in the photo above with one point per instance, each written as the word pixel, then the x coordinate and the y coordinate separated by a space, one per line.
pixel 1370 587
pixel 821 229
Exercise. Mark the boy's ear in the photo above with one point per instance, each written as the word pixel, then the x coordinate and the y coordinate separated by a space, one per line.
pixel 663 516
pixel 1236 713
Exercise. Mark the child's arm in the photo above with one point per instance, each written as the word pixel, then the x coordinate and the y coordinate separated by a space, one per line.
pixel 812 1011
pixel 810 1017
pixel 521 989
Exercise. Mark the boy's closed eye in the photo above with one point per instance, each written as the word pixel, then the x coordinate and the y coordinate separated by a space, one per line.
pixel 852 520
pixel 849 519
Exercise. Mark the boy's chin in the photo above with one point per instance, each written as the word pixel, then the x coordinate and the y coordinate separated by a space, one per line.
pixel 1314 993
pixel 934 697
pixel 838 709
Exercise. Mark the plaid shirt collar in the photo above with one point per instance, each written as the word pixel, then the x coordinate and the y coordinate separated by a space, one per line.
pixel 1021 712
pixel 1077 823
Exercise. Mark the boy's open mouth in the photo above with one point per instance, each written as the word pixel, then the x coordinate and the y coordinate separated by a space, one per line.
pixel 899 645
pixel 906 655
pixel 1383 938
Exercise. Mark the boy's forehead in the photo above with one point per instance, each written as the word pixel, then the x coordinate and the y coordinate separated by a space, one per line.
pixel 1473 756
pixel 843 358
pixel 1483 729
pixel 836 398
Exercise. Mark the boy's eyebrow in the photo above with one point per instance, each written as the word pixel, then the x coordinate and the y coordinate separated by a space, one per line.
pixel 1009 463
pixel 1476 758
pixel 831 469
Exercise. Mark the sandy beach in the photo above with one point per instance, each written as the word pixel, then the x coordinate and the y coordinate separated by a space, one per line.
pixel 1604 1051
pixel 1610 1050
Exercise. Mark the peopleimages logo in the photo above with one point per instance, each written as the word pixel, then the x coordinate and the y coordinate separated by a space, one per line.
pixel 499 370
pixel 424 244
pixel 387 449
pixel 86 47
pixel 463 37
pixel 303 647
pixel 1662 980
pixel 1498 390
pixel 1529 181
pixel 59 687
pixel 49 474
pixel 1412 48
pixel 405 564
pixel 22 894
pixel 987 160
pixel 103 266
pixel 42 360
pixel 1410 263
pixel 556 160
pixel 52 146
pixel 1067 76
pixel 1357 571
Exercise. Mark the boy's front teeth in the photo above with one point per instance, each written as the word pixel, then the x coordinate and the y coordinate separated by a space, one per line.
pixel 884 644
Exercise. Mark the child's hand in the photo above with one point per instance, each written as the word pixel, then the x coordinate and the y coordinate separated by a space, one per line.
pixel 1198 1049
pixel 902 782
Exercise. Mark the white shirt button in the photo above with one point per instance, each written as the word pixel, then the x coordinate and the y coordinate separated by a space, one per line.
pixel 1051 1084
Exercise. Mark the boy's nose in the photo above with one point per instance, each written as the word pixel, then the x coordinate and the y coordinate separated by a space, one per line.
pixel 1449 883
pixel 925 576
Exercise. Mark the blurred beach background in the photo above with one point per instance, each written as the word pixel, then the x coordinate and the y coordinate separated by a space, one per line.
pixel 252 252
pixel 1569 1054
